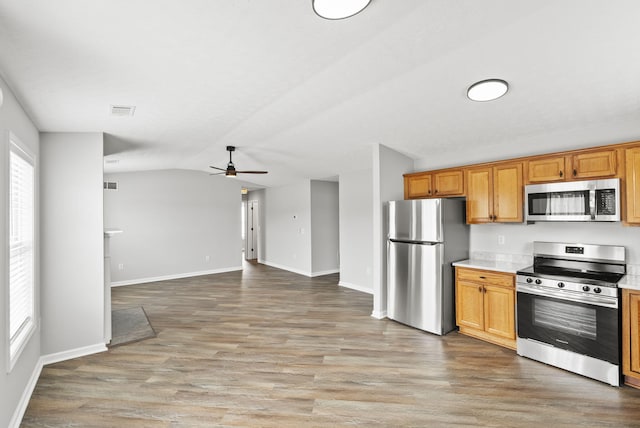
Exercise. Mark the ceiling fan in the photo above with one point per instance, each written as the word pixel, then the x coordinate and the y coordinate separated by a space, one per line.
pixel 231 170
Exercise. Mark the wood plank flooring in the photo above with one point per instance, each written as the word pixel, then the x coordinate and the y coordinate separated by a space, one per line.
pixel 265 347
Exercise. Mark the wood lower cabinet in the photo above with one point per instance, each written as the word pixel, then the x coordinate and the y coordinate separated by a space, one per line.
pixel 631 337
pixel 445 183
pixel 495 194
pixel 485 305
pixel 632 159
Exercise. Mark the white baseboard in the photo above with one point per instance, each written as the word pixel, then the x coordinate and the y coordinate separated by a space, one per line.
pixel 299 271
pixel 287 268
pixel 176 276
pixel 73 353
pixel 379 314
pixel 18 414
pixel 355 287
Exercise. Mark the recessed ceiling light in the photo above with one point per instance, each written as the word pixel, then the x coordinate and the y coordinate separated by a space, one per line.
pixel 339 9
pixel 487 90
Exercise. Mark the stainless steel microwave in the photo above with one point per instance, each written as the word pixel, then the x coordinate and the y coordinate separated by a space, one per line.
pixel 591 200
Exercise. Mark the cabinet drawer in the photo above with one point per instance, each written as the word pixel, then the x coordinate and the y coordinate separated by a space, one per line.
pixel 484 276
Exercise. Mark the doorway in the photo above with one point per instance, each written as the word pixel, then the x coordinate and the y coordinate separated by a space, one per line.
pixel 253 227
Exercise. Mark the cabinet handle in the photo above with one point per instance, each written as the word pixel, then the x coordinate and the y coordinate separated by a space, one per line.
pixel 428 192
pixel 480 289
pixel 482 277
pixel 560 174
pixel 436 191
pixel 485 290
pixel 575 172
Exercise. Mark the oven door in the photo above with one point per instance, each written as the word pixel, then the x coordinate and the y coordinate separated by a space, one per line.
pixel 581 323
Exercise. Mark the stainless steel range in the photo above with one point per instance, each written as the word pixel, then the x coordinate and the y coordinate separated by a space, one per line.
pixel 568 308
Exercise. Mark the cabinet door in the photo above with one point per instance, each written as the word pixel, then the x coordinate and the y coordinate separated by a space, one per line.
pixel 469 306
pixel 448 183
pixel 594 164
pixel 634 332
pixel 418 186
pixel 507 193
pixel 479 195
pixel 632 157
pixel 544 170
pixel 499 311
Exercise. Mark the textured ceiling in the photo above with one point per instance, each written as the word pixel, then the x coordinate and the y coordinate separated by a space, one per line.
pixel 305 97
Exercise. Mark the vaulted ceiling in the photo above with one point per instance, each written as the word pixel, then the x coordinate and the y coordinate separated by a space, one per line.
pixel 305 97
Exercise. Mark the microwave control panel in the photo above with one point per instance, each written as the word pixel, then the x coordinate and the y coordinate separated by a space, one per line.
pixel 606 201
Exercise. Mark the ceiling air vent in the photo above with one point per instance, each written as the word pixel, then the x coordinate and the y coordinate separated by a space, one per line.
pixel 110 185
pixel 122 111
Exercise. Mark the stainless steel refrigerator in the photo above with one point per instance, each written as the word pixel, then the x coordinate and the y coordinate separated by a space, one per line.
pixel 424 237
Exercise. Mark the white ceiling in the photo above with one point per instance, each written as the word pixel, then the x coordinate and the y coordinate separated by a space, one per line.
pixel 305 97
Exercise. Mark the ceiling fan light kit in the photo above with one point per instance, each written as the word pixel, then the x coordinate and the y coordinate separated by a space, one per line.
pixel 230 171
pixel 338 9
pixel 487 90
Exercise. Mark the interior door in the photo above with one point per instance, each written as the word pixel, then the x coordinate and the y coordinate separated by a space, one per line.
pixel 251 251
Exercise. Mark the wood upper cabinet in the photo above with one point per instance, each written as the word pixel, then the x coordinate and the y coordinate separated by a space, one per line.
pixel 485 305
pixel 495 194
pixel 417 186
pixel 434 184
pixel 632 159
pixel 631 337
pixel 598 164
pixel 582 165
pixel 546 169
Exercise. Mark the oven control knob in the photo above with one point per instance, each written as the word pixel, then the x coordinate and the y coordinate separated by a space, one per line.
pixel 529 280
pixel 561 284
pixel 538 281
pixel 597 290
pixel 585 288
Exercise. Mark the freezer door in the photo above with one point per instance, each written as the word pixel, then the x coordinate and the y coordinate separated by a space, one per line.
pixel 416 220
pixel 414 284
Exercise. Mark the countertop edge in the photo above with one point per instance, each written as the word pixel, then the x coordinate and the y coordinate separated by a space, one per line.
pixel 498 266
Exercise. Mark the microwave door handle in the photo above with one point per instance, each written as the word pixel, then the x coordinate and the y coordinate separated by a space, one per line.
pixel 592 203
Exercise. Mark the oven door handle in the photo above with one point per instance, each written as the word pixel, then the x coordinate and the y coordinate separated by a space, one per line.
pixel 605 301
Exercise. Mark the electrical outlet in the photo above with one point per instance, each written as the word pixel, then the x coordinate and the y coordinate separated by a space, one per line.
pixel 500 239
pixel 207 258
pixel 120 266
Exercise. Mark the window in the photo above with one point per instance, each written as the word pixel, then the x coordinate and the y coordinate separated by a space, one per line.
pixel 21 249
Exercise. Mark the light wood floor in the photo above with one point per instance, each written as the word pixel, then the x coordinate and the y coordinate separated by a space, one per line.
pixel 269 348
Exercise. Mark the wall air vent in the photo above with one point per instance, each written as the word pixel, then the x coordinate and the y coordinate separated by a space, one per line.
pixel 122 111
pixel 110 185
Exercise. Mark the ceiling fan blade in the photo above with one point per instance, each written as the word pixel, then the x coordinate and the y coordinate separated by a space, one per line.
pixel 252 172
pixel 218 173
pixel 215 167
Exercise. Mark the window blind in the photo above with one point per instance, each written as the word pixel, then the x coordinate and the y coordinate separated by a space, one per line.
pixel 21 249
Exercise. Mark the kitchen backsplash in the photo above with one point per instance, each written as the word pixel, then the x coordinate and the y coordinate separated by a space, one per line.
pixel 501 257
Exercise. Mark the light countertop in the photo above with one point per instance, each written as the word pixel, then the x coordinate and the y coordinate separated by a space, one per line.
pixel 496 265
pixel 631 282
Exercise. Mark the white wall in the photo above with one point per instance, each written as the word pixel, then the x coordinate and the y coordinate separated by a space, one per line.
pixel 356 225
pixel 325 227
pixel 519 237
pixel 15 387
pixel 72 243
pixel 287 227
pixel 176 223
pixel 388 185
